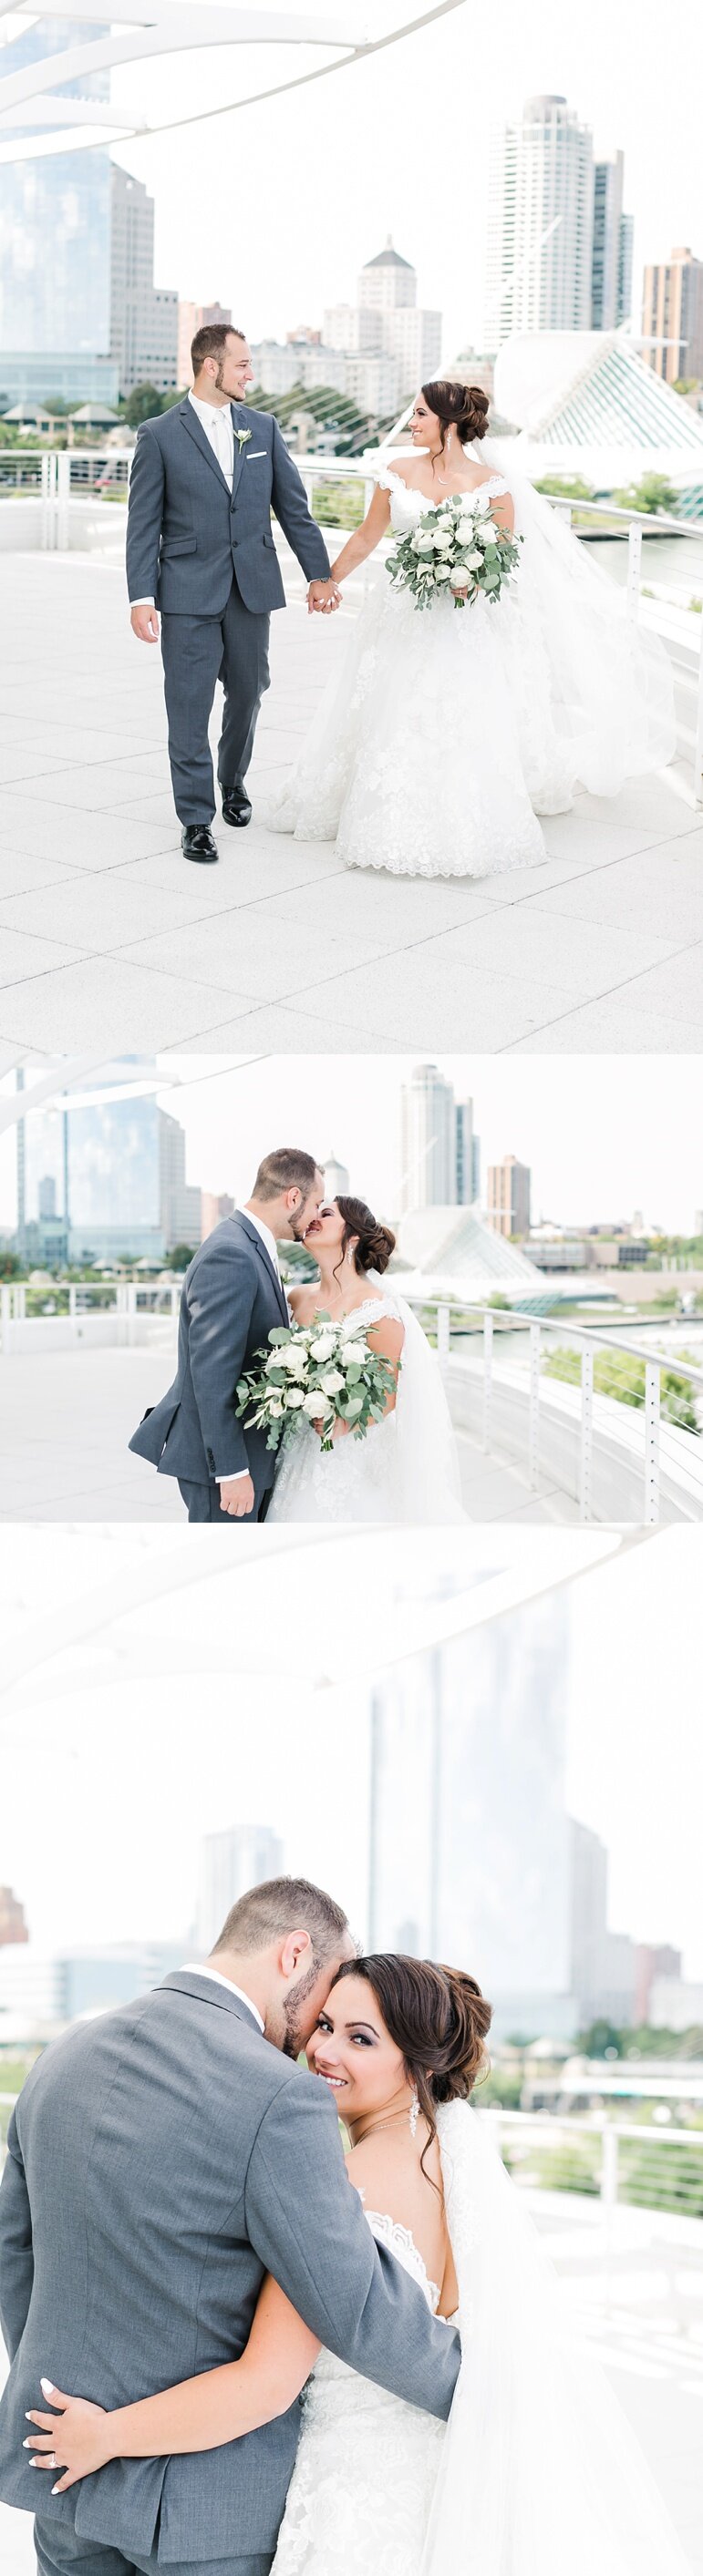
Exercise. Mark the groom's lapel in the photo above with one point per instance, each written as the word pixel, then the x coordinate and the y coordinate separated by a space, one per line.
pixel 238 422
pixel 260 1248
pixel 195 430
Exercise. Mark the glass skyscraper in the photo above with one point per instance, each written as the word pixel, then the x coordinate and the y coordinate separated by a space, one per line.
pixel 470 1840
pixel 55 229
pixel 105 1159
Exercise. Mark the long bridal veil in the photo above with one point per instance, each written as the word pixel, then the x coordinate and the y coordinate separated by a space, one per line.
pixel 593 692
pixel 427 1465
pixel 540 2472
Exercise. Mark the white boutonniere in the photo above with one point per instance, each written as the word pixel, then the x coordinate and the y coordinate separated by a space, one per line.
pixel 242 435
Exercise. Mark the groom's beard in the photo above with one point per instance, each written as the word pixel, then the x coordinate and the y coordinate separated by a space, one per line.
pixel 294 2036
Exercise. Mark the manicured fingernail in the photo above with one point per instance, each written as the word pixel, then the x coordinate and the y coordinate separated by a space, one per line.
pixel 54 2490
pixel 26 2446
pixel 48 2387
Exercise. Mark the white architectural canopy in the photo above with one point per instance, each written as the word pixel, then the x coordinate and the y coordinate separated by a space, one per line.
pixel 454 1252
pixel 587 403
pixel 38 115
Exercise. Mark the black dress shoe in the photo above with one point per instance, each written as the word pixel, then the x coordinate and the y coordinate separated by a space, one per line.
pixel 197 843
pixel 236 807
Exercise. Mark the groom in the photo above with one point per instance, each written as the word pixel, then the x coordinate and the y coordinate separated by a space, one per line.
pixel 199 547
pixel 233 1297
pixel 160 2160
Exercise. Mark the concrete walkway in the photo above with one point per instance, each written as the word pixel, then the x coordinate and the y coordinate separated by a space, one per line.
pixel 67 1417
pixel 107 936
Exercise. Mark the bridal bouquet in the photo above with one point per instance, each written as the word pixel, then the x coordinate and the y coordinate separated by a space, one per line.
pixel 322 1373
pixel 458 545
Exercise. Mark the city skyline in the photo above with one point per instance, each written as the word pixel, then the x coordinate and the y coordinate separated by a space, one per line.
pixel 589 1164
pixel 589 61
pixel 631 1655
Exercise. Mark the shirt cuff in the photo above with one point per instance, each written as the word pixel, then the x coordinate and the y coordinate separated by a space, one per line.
pixel 142 603
pixel 239 1472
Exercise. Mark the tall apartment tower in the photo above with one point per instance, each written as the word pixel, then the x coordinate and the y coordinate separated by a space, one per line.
pixel 428 1140
pixel 540 224
pixel 143 317
pixel 230 1863
pixel 467 1155
pixel 509 1196
pixel 180 1204
pixel 611 268
pixel 672 316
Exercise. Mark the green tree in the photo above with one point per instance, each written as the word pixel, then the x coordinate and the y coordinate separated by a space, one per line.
pixel 182 1253
pixel 144 403
pixel 11 1267
pixel 652 495
pixel 617 1374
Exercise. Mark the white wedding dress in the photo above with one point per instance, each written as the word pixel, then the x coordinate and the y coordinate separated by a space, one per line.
pixel 359 2499
pixel 447 731
pixel 537 2472
pixel 412 763
pixel 405 1469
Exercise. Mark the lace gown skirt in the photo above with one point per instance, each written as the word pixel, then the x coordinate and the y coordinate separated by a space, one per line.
pixel 355 1481
pixel 413 763
pixel 362 2487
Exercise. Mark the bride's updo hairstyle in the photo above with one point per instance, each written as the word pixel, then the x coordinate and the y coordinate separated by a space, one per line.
pixel 438 2017
pixel 460 407
pixel 375 1243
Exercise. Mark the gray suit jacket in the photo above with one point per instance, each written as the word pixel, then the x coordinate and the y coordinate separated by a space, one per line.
pixel 160 2160
pixel 231 1301
pixel 187 533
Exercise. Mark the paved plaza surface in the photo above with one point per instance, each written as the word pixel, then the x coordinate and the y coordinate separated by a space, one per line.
pixel 67 1417
pixel 108 936
pixel 638 2320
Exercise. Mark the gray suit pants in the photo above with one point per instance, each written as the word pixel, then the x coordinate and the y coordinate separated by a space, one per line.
pixel 61 2553
pixel 198 651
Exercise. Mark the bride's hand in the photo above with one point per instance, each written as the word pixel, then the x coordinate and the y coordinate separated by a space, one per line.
pixel 74 2439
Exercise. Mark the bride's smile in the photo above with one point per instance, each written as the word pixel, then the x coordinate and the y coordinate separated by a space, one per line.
pixel 355 2056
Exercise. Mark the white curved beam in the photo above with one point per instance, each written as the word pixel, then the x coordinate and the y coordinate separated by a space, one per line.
pixel 177 26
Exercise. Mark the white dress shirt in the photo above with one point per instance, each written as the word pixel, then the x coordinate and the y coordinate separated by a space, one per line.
pixel 217 422
pixel 193 1968
pixel 270 1246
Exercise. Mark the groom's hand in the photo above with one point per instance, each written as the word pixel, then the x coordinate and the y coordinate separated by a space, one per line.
pixel 144 623
pixel 323 596
pixel 237 1498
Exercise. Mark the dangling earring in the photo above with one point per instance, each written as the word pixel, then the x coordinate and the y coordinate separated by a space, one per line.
pixel 414 2114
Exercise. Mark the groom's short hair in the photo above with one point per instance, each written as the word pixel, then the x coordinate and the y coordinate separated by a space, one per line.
pixel 287 1169
pixel 210 342
pixel 280 1905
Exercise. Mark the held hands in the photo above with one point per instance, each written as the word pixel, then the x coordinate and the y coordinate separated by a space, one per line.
pixel 74 2439
pixel 144 623
pixel 323 596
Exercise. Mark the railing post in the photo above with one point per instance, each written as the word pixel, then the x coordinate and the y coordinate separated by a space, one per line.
pixel 698 748
pixel 535 1348
pixel 487 1379
pixel 443 1323
pixel 585 1496
pixel 609 2187
pixel 5 1317
pixel 73 1308
pixel 63 495
pixel 634 566
pixel 652 1400
pixel 131 1304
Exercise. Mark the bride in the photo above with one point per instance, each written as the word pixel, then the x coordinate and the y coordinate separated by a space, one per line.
pixel 537 2470
pixel 445 734
pixel 406 1468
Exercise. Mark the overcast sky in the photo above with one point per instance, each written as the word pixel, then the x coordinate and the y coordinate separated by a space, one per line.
pixel 603 1135
pixel 244 1697
pixel 286 201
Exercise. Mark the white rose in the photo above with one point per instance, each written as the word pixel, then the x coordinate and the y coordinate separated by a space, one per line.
pixel 349 1359
pixel 275 1411
pixel 313 1405
pixel 467 504
pixel 471 562
pixel 424 541
pixel 322 1349
pixel 294 1398
pixel 274 1362
pixel 443 539
pixel 442 572
pixel 295 1361
pixel 332 1382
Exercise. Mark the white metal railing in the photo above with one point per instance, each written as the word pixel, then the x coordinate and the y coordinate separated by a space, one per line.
pixel 590 1439
pixel 63 475
pixel 620 2162
pixel 72 1305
